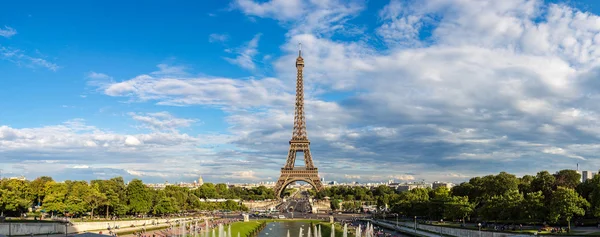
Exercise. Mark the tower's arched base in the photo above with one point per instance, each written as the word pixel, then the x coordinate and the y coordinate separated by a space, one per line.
pixel 310 176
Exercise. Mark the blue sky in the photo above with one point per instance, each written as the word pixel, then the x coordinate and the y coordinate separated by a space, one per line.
pixel 404 90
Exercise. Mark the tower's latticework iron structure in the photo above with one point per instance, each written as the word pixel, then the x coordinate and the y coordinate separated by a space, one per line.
pixel 299 143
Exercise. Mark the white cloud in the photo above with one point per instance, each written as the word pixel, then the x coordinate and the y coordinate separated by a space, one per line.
pixel 244 175
pixel 212 38
pixel 168 70
pixel 7 32
pixel 498 85
pixel 403 177
pixel 314 16
pixel 161 121
pixel 246 54
pixel 351 176
pixel 132 141
pixel 99 80
pixel 208 91
pixel 20 58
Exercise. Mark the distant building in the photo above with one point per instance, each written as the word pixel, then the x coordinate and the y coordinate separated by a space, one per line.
pixel 586 175
pixel 22 178
pixel 411 186
pixel 200 181
pixel 437 184
pixel 394 185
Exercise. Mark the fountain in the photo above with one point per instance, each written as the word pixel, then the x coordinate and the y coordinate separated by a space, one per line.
pixel 332 230
pixel 320 235
pixel 300 233
pixel 229 231
pixel 345 230
pixel 358 231
pixel 213 233
pixel 308 232
pixel 288 235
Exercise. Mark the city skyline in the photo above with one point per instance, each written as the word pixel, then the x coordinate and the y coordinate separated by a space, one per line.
pixel 393 89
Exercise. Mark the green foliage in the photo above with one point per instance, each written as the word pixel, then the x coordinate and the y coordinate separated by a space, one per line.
pixel 139 198
pixel 210 191
pixel 334 204
pixel 567 178
pixel 39 187
pixel 55 198
pixel 566 203
pixel 15 196
pixel 113 197
pixel 77 195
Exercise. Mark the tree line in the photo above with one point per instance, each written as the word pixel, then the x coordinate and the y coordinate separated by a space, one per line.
pixel 504 197
pixel 115 198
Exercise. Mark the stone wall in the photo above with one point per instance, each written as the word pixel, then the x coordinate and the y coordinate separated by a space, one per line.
pixel 77 227
pixel 456 231
pixel 28 228
pixel 260 204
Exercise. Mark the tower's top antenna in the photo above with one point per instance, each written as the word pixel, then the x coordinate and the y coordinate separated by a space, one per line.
pixel 300 49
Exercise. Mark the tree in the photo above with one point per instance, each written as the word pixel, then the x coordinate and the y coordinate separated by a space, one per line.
pixel 39 187
pixel 164 204
pixel 592 188
pixel 95 198
pixel 543 182
pixel 566 203
pixel 77 195
pixel 502 207
pixel 207 190
pixel 334 204
pixel 55 198
pixel 458 207
pixel 16 196
pixel 139 197
pixel 525 183
pixel 567 178
pixel 533 206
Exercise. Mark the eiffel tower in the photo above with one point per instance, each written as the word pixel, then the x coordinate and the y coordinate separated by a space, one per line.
pixel 299 143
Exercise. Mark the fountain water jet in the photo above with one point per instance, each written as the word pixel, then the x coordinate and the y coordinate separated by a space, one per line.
pixel 345 230
pixel 332 230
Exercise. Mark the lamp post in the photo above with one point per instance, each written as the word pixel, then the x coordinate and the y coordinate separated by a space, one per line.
pixel 479 224
pixel 415 224
pixel 396 220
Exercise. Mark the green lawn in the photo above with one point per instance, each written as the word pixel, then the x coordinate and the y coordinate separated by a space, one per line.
pixel 244 228
pixel 326 229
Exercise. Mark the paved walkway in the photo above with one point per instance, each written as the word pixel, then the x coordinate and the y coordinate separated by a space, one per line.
pixel 405 229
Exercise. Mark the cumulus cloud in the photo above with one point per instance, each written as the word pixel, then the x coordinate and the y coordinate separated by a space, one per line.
pixel 161 121
pixel 475 87
pixel 167 90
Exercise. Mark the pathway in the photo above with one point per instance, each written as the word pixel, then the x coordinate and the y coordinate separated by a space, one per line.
pixel 404 229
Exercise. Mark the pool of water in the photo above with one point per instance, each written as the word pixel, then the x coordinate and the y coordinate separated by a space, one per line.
pixel 280 229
